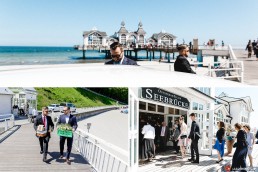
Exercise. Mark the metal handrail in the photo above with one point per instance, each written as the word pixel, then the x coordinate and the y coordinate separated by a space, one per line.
pixel 6 122
pixel 101 160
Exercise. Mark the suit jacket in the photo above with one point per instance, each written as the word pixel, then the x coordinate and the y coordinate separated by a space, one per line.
pixel 166 135
pixel 126 61
pixel 195 131
pixel 72 120
pixel 39 121
pixel 182 65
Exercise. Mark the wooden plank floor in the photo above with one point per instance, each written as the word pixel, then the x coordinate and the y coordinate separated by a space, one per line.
pixel 20 152
pixel 172 163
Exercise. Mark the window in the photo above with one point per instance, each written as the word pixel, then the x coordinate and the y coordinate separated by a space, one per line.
pixel 200 107
pixel 171 110
pixel 161 109
pixel 151 107
pixel 176 111
pixel 195 106
pixel 142 105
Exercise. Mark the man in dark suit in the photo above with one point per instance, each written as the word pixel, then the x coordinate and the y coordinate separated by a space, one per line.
pixel 67 118
pixel 194 136
pixel 45 120
pixel 164 134
pixel 117 54
pixel 182 64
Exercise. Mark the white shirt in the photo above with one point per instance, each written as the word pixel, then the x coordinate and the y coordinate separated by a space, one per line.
pixel 67 119
pixel 163 131
pixel 148 131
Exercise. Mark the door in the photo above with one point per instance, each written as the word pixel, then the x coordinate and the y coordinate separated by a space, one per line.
pixel 133 130
pixel 204 118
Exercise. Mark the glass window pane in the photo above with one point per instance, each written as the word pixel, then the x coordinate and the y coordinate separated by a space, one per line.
pixel 151 107
pixel 171 110
pixel 161 109
pixel 176 111
pixel 200 107
pixel 195 106
pixel 142 105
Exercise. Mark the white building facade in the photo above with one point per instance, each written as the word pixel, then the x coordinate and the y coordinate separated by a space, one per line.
pixel 6 96
pixel 95 38
pixel 239 109
pixel 25 98
pixel 168 104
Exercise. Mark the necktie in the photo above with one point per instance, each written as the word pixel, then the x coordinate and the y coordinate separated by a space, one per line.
pixel 44 121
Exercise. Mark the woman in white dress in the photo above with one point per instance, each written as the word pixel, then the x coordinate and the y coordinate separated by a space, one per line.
pixel 182 138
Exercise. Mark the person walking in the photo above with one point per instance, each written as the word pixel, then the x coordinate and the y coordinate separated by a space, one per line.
pixel 182 64
pixel 48 124
pixel 194 136
pixel 164 136
pixel 239 157
pixel 67 118
pixel 256 51
pixel 230 135
pixel 182 138
pixel 254 44
pixel 251 141
pixel 249 48
pixel 175 135
pixel 220 142
pixel 148 145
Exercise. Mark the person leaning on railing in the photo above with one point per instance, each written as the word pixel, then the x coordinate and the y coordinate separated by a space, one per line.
pixel 182 64
pixel 118 57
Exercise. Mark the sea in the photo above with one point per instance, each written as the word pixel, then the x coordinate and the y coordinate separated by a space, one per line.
pixel 31 55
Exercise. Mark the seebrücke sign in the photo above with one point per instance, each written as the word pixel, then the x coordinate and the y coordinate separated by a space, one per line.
pixel 159 95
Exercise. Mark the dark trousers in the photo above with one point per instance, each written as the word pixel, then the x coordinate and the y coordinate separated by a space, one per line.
pixel 69 146
pixel 194 149
pixel 176 147
pixel 148 148
pixel 43 141
pixel 163 145
pixel 239 158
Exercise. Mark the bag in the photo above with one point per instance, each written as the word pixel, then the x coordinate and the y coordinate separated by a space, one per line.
pixel 183 136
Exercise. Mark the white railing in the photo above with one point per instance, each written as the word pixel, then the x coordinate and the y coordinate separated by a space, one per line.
pixel 214 47
pixel 6 122
pixel 234 66
pixel 90 147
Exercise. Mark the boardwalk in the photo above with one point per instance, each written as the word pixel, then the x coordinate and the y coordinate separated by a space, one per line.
pixel 20 152
pixel 250 67
pixel 172 163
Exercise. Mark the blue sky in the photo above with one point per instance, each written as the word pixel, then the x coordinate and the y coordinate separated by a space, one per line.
pixel 243 92
pixel 61 22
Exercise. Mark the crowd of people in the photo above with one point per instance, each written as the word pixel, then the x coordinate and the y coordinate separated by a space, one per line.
pixel 240 137
pixel 252 47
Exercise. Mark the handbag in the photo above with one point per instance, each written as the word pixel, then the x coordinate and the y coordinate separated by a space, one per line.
pixel 183 136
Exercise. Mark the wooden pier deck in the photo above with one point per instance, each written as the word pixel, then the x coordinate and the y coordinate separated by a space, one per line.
pixel 21 152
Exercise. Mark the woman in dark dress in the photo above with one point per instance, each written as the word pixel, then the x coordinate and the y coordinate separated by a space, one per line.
pixel 239 157
pixel 220 142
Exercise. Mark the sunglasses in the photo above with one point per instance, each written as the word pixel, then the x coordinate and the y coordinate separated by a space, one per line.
pixel 116 56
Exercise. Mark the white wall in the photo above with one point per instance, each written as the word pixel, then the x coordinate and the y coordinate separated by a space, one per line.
pixel 5 104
